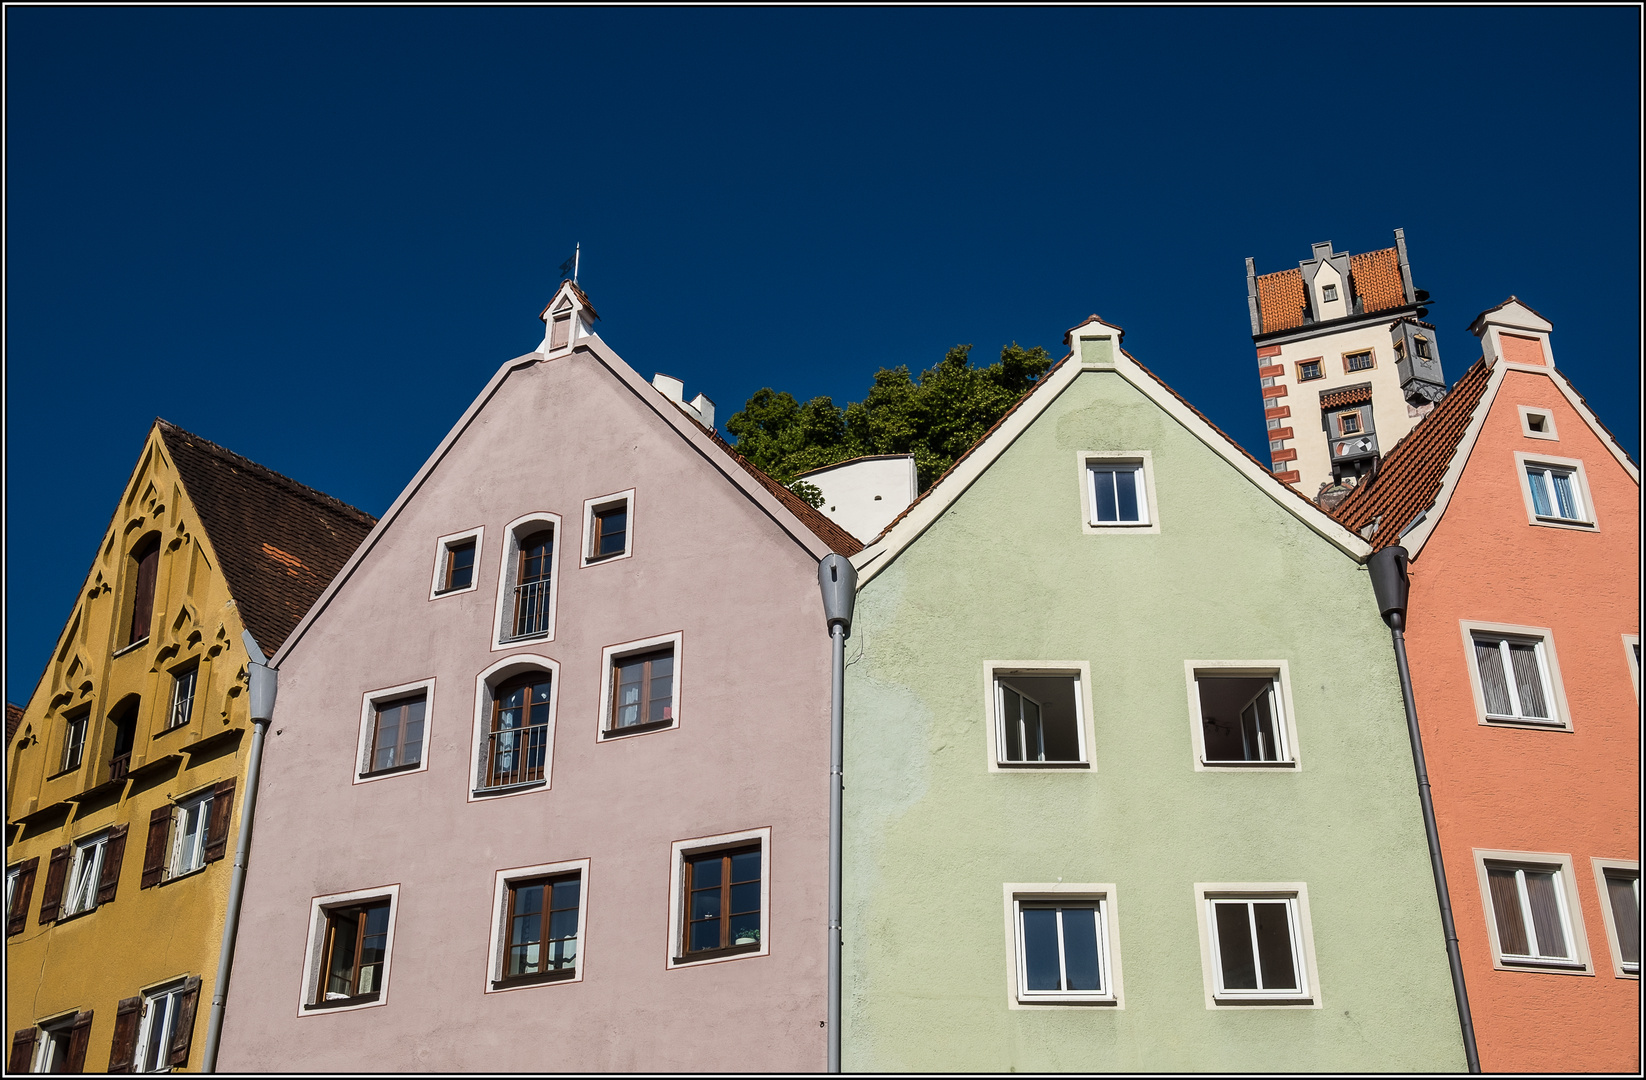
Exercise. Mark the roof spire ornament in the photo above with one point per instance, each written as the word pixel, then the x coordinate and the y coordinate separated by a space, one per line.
pixel 569 268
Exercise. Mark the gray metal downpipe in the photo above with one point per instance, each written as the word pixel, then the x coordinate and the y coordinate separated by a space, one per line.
pixel 264 684
pixel 838 579
pixel 1389 583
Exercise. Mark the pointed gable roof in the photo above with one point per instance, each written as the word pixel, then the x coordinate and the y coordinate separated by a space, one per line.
pixel 278 543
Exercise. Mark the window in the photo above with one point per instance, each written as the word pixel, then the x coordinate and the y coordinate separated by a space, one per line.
pixel 1256 945
pixel 19 891
pixel 145 559
pixel 186 836
pixel 1631 656
pixel 1533 917
pixel 542 923
pixel 1513 675
pixel 1309 369
pixel 455 563
pixel 1424 351
pixel 458 572
pixel 517 740
pixel 720 890
pixel 1619 883
pixel 607 527
pixel 397 734
pixel 59 1046
pixel 1328 293
pixel 1360 361
pixel 191 825
pixel 165 1026
pixel 1240 715
pixel 1119 492
pixel 526 592
pixel 182 696
pixel 1062 949
pixel 85 874
pixel 1349 423
pixel 1038 719
pixel 1537 424
pixel 1556 492
pixel 642 691
pixel 123 732
pixel 351 940
pixel 560 334
pixel 74 739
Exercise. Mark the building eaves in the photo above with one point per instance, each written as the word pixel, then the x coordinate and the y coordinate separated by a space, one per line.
pixel 837 539
pixel 1346 395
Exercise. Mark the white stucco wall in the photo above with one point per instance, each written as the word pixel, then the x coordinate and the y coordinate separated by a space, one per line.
pixel 863 496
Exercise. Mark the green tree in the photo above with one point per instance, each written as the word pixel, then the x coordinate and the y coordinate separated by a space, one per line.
pixel 935 418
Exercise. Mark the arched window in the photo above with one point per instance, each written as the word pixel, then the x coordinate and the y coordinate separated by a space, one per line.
pixel 517 739
pixel 145 558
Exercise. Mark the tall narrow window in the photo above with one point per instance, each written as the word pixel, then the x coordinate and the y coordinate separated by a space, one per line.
pixel 156 1028
pixel 1241 719
pixel 1623 898
pixel 1514 678
pixel 642 691
pixel 74 739
pixel 355 946
pixel 722 895
pixel 1424 352
pixel 1556 494
pixel 397 734
pixel 52 1047
pixel 561 333
pixel 182 696
pixel 542 925
pixel 1529 905
pixel 85 875
pixel 531 591
pixel 1118 494
pixel 1256 947
pixel 457 571
pixel 123 722
pixel 517 746
pixel 1062 949
pixel 609 534
pixel 146 560
pixel 191 825
pixel 1038 719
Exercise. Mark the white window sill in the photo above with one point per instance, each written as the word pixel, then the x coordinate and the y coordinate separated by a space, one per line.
pixel 1238 766
pixel 1565 523
pixel 1055 766
pixel 509 789
pixel 1265 1001
pixel 1524 722
pixel 1538 964
pixel 133 647
pixel 1066 999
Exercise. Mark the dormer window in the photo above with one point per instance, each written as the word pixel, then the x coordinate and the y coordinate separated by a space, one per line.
pixel 1328 293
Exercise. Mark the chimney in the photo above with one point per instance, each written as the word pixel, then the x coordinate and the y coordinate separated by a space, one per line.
pixel 700 408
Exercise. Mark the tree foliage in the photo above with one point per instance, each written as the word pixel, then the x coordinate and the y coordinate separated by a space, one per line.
pixel 935 418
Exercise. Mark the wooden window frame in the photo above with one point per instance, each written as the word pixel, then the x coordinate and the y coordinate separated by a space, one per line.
pixel 505 880
pixel 1296 894
pixel 613 729
pixel 1604 868
pixel 511 890
pixel 1343 419
pixel 1548 658
pixel 370 702
pixel 505 617
pixel 312 1001
pixel 591 527
pixel 677 957
pixel 486 685
pixel 610 656
pixel 1319 363
pixel 727 946
pixel 379 709
pixel 527 678
pixel 1571 909
pixel 443 548
pixel 1370 354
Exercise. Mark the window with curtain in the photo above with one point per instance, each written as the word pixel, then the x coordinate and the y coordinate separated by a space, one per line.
pixel 397 734
pixel 1514 678
pixel 355 946
pixel 517 746
pixel 642 691
pixel 722 900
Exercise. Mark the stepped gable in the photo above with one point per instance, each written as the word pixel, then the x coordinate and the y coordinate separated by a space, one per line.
pixel 1409 477
pixel 838 540
pixel 280 543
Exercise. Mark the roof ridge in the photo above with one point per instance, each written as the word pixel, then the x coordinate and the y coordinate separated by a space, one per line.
pixel 330 502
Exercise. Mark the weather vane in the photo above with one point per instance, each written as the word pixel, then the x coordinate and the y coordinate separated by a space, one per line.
pixel 568 269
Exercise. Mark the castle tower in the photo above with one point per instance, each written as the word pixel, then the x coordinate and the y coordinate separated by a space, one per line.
pixel 1341 339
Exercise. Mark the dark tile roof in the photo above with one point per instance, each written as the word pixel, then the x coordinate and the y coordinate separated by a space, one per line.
pixel 838 540
pixel 1409 476
pixel 1348 395
pixel 14 716
pixel 280 543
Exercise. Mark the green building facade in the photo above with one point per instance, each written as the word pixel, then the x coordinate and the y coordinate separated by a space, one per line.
pixel 1128 784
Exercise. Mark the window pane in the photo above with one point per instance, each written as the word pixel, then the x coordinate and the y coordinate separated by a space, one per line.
pixel 1040 949
pixel 1103 482
pixel 746 898
pixel 1623 892
pixel 1010 714
pixel 1538 479
pixel 1035 748
pixel 1546 921
pixel 613 528
pixel 411 737
pixel 1511 929
pixel 1493 685
pixel 1126 494
pixel 1528 680
pixel 1274 946
pixel 1080 960
pixel 1234 945
pixel 630 674
pixel 706 872
pixel 462 566
pixel 746 866
pixel 1565 495
pixel 345 927
pixel 706 935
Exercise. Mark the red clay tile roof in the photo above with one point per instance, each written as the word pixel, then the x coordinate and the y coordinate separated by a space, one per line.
pixel 1377 281
pixel 1352 395
pixel 280 543
pixel 1408 478
pixel 1280 300
pixel 14 716
pixel 838 540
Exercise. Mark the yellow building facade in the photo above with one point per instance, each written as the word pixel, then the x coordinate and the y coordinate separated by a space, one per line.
pixel 124 773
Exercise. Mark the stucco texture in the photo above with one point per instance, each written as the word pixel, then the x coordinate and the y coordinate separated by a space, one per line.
pixel 750 752
pixel 1562 792
pixel 1007 574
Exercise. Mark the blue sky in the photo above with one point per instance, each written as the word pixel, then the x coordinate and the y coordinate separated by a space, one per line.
pixel 312 234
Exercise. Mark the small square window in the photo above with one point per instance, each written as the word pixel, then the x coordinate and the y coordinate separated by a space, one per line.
pixel 720 888
pixel 1360 361
pixel 456 563
pixel 182 696
pixel 1328 293
pixel 1308 370
pixel 1063 950
pixel 642 691
pixel 608 527
pixel 1424 350
pixel 1537 424
pixel 1256 946
pixel 1240 716
pixel 353 954
pixel 1349 423
pixel 1038 719
pixel 1118 494
pixel 459 566
pixel 191 827
pixel 397 734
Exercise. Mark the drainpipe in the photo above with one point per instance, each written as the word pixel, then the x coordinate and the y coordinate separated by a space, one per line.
pixel 1390 585
pixel 264 683
pixel 838 580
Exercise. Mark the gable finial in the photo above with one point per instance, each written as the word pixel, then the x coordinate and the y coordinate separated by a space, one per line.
pixel 569 268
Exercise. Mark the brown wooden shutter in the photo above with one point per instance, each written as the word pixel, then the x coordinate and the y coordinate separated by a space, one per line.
pixel 52 898
pixel 113 855
pixel 182 1032
pixel 142 608
pixel 154 853
pixel 18 916
pixel 79 1037
pixel 22 1049
pixel 126 1015
pixel 217 833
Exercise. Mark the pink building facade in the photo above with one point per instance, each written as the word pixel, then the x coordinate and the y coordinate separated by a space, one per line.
pixel 547 785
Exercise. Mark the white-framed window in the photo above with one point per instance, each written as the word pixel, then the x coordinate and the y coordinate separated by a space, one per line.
pixel 156 1026
pixel 1537 423
pixel 350 946
pixel 14 874
pixel 608 527
pixel 1063 943
pixel 1118 492
pixel 85 873
pixel 1240 714
pixel 1631 656
pixel 74 739
pixel 1618 881
pixel 720 890
pixel 1515 675
pixel 182 696
pixel 457 563
pixel 537 925
pixel 395 730
pixel 1257 947
pixel 191 823
pixel 1556 492
pixel 527 581
pixel 1533 917
pixel 515 707
pixel 641 689
pixel 1040 715
pixel 51 1045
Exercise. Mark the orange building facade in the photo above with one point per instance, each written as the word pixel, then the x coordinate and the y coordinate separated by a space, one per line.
pixel 1522 517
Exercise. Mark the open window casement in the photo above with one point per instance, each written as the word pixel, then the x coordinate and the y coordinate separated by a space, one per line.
pixel 1039 719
